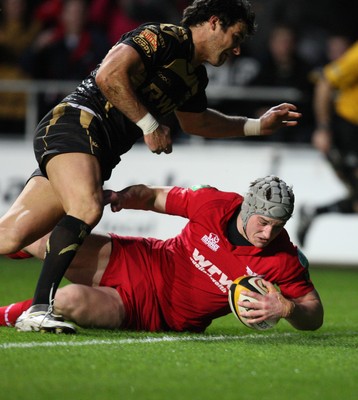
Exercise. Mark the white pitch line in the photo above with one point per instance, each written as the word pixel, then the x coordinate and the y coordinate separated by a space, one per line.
pixel 128 341
pixel 205 338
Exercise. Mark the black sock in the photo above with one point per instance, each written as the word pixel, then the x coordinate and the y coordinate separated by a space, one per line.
pixel 61 247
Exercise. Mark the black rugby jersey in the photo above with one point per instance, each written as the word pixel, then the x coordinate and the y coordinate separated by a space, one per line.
pixel 170 82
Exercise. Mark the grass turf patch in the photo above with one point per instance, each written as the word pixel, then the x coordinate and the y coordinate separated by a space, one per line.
pixel 229 361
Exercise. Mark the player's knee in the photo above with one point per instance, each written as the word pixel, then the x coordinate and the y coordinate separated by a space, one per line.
pixel 69 302
pixel 89 212
pixel 11 241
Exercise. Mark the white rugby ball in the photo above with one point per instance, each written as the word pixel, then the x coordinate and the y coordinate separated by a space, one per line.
pixel 253 284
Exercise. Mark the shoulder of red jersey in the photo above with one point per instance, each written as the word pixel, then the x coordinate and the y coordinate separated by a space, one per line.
pixel 199 198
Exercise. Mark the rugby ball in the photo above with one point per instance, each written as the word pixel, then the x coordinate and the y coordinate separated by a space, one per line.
pixel 253 284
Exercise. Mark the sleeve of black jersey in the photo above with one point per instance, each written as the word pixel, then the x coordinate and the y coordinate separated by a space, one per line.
pixel 153 48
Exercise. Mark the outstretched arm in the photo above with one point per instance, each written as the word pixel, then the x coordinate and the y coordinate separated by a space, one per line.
pixel 213 124
pixel 138 197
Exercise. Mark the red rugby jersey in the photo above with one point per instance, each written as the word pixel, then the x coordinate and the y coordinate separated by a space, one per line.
pixel 195 269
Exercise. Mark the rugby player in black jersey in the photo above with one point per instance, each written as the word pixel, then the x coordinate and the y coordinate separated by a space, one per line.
pixel 153 71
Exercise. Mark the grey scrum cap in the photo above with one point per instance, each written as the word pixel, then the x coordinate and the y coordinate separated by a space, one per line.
pixel 269 196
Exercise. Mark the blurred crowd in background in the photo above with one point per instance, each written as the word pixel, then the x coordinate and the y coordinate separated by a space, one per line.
pixel 66 39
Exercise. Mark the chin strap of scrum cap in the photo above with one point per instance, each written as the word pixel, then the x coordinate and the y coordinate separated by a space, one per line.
pixel 269 196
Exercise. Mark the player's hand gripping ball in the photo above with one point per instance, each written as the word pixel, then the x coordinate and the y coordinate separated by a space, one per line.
pixel 253 284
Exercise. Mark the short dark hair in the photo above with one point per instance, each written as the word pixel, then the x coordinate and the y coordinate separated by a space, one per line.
pixel 228 11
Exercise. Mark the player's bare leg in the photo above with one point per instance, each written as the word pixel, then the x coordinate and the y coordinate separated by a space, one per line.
pixel 77 182
pixel 34 213
pixel 98 307
pixel 87 269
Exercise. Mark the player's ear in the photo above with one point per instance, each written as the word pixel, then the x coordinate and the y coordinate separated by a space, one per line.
pixel 214 22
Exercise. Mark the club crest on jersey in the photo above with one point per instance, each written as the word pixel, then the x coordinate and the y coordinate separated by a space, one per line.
pixel 151 38
pixel 211 241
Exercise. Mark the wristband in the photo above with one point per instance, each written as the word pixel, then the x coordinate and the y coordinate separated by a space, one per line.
pixel 252 127
pixel 147 124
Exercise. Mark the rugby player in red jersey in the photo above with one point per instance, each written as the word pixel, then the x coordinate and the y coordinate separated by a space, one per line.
pixel 182 283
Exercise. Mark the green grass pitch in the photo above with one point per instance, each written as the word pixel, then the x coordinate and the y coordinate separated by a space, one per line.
pixel 229 361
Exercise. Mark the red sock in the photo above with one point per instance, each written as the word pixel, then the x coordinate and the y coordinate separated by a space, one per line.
pixel 19 255
pixel 9 314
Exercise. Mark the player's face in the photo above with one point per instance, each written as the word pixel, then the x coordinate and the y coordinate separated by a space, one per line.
pixel 225 44
pixel 261 231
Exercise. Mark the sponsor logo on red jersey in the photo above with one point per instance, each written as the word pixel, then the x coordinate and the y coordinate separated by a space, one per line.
pixel 211 241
